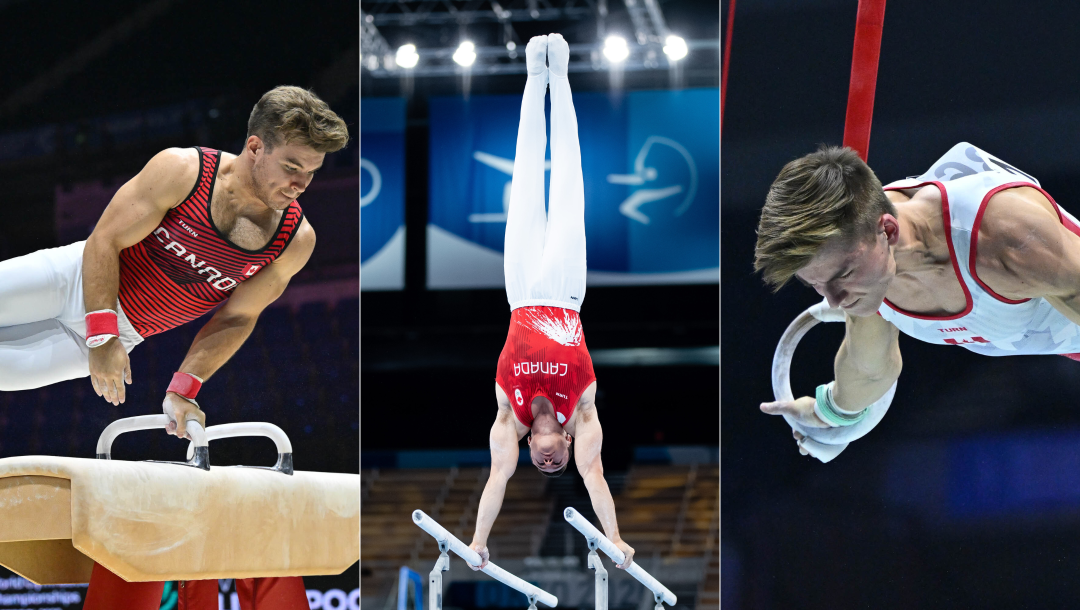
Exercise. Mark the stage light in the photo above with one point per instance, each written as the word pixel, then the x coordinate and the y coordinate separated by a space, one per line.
pixel 615 49
pixel 406 56
pixel 465 54
pixel 511 45
pixel 675 48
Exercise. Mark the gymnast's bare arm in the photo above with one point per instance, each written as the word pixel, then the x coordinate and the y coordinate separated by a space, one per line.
pixel 589 440
pixel 504 437
pixel 1024 251
pixel 135 210
pixel 866 365
pixel 230 326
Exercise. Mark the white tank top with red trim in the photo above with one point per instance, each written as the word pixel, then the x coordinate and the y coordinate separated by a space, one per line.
pixel 990 324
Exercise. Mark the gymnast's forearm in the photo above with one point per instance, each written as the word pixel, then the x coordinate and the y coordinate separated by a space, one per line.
pixel 490 504
pixel 867 364
pixel 216 342
pixel 602 502
pixel 101 274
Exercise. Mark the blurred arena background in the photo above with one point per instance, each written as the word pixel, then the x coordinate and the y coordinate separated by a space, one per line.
pixel 439 124
pixel 92 91
pixel 967 495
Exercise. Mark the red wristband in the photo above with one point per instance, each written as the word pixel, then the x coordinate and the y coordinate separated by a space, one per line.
pixel 100 327
pixel 185 384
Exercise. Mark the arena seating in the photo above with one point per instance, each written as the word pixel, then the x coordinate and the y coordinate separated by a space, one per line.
pixel 666 511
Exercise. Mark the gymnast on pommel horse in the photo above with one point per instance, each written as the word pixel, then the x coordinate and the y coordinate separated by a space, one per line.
pixel 196 229
pixel 545 385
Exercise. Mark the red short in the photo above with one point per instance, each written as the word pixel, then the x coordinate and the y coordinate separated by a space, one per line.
pixel 108 592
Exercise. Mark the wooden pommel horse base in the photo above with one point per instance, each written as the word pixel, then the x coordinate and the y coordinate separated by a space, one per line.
pixel 157 521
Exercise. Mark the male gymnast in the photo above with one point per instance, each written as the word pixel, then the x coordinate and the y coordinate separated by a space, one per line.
pixel 544 384
pixel 973 253
pixel 195 228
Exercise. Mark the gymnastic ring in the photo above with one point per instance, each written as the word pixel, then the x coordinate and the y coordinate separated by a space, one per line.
pixel 254 428
pixel 200 459
pixel 822 443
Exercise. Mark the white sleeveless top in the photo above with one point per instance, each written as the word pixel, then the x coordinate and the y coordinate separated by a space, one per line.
pixel 990 324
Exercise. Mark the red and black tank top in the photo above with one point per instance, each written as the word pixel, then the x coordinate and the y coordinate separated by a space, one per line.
pixel 544 355
pixel 186 266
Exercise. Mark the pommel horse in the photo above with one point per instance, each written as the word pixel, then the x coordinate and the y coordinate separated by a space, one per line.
pixel 597 540
pixel 162 521
pixel 449 542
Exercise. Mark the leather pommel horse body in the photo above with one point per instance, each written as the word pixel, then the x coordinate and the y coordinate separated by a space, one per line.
pixel 152 521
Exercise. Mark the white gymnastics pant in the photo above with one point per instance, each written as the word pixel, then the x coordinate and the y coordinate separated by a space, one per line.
pixel 41 319
pixel 544 254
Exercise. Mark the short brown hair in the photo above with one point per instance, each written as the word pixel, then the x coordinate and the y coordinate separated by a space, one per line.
pixel 284 115
pixel 825 194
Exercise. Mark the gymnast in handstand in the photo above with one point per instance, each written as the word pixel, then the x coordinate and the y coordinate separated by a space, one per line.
pixel 544 383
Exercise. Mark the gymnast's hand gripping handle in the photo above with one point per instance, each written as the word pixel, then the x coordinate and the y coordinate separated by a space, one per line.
pixel 254 428
pixel 592 534
pixel 822 443
pixel 151 422
pixel 462 550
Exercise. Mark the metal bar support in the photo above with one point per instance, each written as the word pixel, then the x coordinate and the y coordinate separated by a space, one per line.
pixel 601 602
pixel 435 577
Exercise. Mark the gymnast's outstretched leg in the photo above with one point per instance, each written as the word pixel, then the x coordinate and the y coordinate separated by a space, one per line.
pixel 524 242
pixel 563 269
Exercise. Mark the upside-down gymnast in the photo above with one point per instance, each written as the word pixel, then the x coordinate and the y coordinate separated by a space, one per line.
pixel 544 384
pixel 974 254
pixel 194 228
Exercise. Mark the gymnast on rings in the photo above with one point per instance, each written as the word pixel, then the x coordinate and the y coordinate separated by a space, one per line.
pixel 544 384
pixel 973 253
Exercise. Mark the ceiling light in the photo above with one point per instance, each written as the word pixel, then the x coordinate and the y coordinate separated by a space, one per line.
pixel 615 49
pixel 675 48
pixel 406 56
pixel 465 54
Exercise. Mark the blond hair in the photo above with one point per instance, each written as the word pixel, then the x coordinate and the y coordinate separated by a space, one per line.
pixel 827 194
pixel 286 115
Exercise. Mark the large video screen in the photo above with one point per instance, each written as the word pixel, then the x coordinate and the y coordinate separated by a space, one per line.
pixel 651 164
pixel 382 193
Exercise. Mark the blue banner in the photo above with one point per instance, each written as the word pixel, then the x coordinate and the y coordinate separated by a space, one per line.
pixel 651 166
pixel 382 193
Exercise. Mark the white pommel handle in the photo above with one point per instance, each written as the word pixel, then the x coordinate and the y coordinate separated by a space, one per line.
pixel 248 428
pixel 592 534
pixel 145 422
pixel 822 443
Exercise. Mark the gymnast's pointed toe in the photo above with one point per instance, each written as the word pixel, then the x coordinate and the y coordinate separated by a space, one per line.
pixel 558 52
pixel 535 54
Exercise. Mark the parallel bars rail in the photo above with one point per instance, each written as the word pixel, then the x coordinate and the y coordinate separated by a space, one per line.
pixel 601 542
pixel 449 541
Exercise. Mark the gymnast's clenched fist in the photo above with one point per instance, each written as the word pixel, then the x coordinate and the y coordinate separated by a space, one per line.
pixel 482 551
pixel 180 410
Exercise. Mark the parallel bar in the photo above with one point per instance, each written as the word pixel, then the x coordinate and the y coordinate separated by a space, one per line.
pixel 587 529
pixel 462 550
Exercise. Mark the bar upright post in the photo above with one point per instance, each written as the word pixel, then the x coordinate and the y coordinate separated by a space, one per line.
pixel 435 578
pixel 601 577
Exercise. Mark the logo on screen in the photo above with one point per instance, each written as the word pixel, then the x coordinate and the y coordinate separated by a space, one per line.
pixel 649 174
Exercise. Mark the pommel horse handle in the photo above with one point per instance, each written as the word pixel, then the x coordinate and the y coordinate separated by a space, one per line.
pixel 254 428
pixel 152 422
pixel 440 534
pixel 592 534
